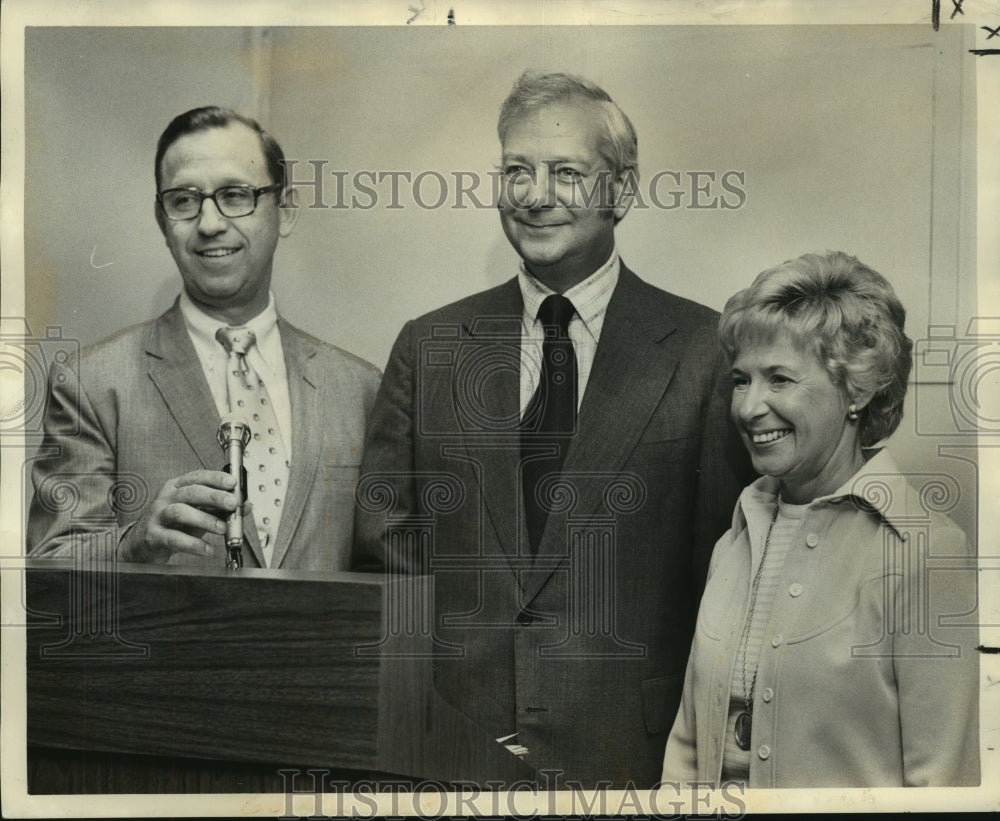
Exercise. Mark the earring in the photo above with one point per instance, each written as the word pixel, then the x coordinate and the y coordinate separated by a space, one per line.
pixel 852 412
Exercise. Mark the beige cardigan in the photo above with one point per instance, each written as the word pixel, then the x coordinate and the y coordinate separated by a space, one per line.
pixel 858 684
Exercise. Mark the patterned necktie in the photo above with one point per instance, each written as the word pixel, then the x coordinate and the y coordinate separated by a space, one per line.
pixel 550 418
pixel 265 458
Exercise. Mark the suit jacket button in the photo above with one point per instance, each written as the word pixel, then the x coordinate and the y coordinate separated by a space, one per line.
pixel 768 694
pixel 764 752
pixel 795 590
pixel 812 540
pixel 525 619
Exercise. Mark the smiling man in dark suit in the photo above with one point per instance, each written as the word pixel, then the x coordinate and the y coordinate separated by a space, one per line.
pixel 130 457
pixel 556 452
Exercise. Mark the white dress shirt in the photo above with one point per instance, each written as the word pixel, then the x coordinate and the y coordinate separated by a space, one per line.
pixel 266 357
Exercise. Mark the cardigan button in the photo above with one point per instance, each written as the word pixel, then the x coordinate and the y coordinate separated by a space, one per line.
pixel 812 540
pixel 764 752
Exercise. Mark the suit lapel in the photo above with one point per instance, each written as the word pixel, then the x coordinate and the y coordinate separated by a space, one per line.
pixel 304 396
pixel 176 371
pixel 493 441
pixel 629 376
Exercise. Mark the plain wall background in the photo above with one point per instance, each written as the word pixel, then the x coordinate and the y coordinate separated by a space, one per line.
pixel 860 138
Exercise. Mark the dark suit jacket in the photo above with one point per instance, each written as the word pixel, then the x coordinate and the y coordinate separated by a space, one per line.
pixel 136 410
pixel 582 650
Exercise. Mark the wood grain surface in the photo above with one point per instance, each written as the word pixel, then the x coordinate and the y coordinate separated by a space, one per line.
pixel 168 679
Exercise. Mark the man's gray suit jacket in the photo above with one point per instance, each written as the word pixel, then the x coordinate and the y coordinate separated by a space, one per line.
pixel 136 410
pixel 582 649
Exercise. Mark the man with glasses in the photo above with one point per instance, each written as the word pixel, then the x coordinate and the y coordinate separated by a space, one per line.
pixel 131 427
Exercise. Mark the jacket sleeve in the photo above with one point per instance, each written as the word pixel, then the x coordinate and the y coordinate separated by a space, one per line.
pixel 387 485
pixel 78 492
pixel 680 760
pixel 936 663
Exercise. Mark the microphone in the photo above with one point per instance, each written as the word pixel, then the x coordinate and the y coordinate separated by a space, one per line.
pixel 233 436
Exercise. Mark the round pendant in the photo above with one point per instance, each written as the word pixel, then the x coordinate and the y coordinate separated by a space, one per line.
pixel 742 731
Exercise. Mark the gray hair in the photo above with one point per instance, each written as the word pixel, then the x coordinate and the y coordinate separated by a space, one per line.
pixel 533 90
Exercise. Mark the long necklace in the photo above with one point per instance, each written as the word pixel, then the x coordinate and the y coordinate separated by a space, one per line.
pixel 744 721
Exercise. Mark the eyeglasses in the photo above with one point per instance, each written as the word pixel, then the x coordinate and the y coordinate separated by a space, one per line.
pixel 231 200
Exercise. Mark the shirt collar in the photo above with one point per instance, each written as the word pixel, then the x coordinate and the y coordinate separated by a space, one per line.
pixel 203 327
pixel 879 487
pixel 590 297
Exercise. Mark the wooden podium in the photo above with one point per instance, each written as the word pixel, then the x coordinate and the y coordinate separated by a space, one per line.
pixel 163 679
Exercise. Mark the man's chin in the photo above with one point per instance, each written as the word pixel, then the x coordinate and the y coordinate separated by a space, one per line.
pixel 539 254
pixel 218 291
pixel 217 300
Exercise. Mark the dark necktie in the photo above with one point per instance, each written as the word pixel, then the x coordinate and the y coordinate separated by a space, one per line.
pixel 550 419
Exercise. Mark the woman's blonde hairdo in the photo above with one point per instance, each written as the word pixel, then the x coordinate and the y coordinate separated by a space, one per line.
pixel 847 314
